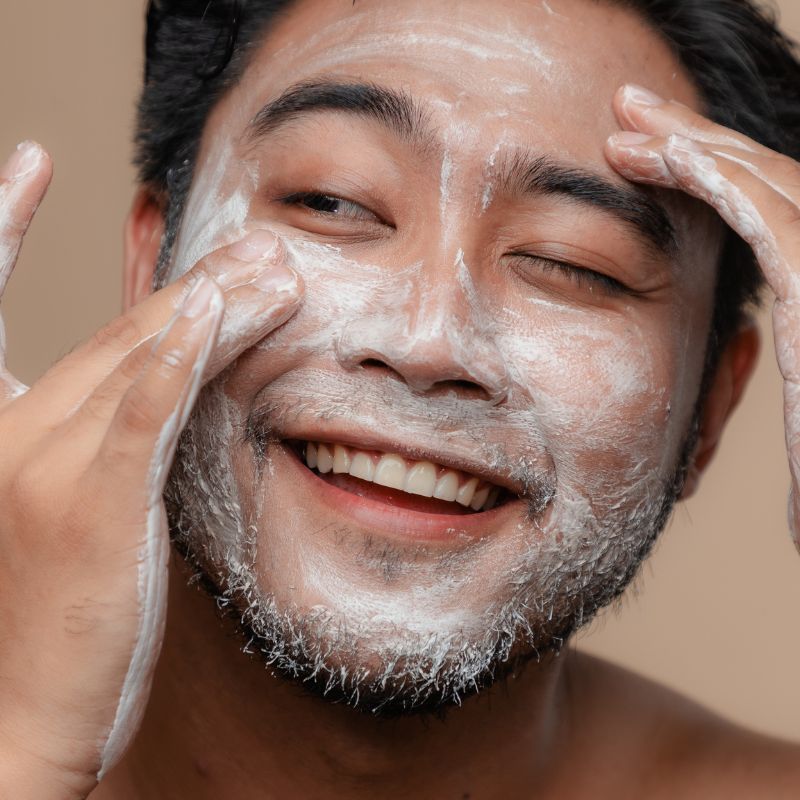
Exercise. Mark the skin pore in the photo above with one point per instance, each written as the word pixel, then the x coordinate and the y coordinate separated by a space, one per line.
pixel 441 323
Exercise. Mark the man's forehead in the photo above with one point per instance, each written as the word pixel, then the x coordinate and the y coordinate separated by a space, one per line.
pixel 520 74
pixel 555 64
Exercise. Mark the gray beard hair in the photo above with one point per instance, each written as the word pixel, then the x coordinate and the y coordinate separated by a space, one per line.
pixel 559 588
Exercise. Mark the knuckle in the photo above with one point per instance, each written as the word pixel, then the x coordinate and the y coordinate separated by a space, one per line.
pixel 28 485
pixel 791 216
pixel 784 166
pixel 174 361
pixel 121 331
pixel 132 366
pixel 139 413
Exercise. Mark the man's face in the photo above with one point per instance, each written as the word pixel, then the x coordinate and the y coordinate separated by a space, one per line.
pixel 489 307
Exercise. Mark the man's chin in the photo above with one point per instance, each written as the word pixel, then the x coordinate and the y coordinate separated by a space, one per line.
pixel 386 675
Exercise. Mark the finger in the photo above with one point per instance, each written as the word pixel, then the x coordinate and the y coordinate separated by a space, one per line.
pixel 10 386
pixel 23 182
pixel 639 154
pixel 139 441
pixel 767 219
pixel 639 109
pixel 253 311
pixel 237 269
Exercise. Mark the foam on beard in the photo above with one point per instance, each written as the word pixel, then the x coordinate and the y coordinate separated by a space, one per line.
pixel 416 643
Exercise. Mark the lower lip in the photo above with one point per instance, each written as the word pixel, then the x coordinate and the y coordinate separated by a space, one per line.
pixel 400 523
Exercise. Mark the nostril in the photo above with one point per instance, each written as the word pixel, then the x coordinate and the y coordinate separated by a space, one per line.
pixel 466 385
pixel 419 381
pixel 465 389
pixel 374 363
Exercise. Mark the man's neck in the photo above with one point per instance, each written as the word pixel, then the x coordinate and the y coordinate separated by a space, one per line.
pixel 218 725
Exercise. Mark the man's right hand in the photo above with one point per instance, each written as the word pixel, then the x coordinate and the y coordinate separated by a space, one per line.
pixel 84 455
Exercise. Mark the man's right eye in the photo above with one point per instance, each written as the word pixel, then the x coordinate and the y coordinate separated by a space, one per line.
pixel 330 205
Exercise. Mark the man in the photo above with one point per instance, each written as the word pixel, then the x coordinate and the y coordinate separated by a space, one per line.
pixel 449 322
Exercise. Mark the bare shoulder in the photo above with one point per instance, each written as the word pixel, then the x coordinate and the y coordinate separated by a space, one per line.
pixel 682 750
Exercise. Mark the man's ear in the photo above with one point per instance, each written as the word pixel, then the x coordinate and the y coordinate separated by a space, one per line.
pixel 736 365
pixel 144 229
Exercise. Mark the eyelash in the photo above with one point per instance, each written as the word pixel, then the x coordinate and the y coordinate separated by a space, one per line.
pixel 311 199
pixel 580 276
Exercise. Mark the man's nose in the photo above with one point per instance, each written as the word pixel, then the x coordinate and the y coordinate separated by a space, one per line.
pixel 436 339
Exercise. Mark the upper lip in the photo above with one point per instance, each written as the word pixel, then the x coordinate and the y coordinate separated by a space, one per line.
pixel 447 456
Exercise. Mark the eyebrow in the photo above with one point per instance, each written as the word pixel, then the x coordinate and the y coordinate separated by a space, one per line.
pixel 518 173
pixel 395 110
pixel 522 172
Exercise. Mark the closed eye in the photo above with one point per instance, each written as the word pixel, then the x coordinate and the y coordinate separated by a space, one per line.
pixel 583 277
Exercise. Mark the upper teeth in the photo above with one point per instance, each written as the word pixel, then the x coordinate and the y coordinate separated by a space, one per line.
pixel 415 477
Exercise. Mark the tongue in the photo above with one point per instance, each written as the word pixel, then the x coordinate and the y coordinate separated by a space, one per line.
pixel 393 497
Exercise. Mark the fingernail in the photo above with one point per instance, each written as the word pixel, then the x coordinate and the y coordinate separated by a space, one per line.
pixel 23 161
pixel 642 96
pixel 630 138
pixel 256 246
pixel 677 142
pixel 199 298
pixel 277 280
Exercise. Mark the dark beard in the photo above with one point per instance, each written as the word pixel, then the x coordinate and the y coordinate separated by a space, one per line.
pixel 318 653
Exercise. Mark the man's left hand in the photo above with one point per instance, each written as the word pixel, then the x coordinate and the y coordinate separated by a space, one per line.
pixel 755 190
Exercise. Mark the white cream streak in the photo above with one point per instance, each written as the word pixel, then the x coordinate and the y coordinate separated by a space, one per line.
pixel 213 216
pixel 757 172
pixel 478 42
pixel 153 574
pixel 488 191
pixel 444 193
pixel 10 243
pixel 738 210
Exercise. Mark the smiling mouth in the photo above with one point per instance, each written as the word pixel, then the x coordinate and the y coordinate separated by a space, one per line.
pixel 398 481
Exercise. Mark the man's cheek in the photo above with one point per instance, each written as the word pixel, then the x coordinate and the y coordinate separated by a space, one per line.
pixel 600 399
pixel 340 292
pixel 217 210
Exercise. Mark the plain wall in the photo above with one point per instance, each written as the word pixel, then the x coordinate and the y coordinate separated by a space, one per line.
pixel 717 611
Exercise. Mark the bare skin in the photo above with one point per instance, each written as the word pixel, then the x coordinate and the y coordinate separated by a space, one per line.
pixel 605 733
pixel 216 724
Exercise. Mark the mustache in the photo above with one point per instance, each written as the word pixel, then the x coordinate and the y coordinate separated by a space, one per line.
pixel 506 440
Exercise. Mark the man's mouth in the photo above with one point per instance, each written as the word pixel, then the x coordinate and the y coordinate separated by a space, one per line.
pixel 399 481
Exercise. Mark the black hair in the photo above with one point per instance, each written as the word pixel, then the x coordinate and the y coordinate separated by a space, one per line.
pixel 746 70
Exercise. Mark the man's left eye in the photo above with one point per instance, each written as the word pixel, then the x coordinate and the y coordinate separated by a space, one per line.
pixel 330 205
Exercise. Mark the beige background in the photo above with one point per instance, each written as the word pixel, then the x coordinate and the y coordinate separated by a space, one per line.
pixel 717 614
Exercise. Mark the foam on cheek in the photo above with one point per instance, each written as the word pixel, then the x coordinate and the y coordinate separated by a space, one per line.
pixel 599 417
pixel 214 215
pixel 342 292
